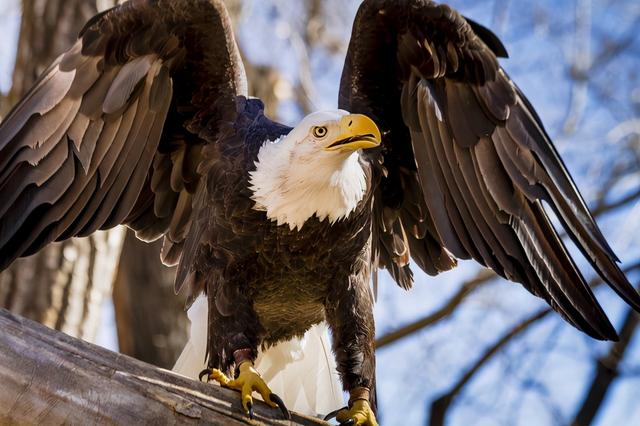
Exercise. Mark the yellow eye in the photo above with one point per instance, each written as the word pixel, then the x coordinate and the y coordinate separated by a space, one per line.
pixel 319 132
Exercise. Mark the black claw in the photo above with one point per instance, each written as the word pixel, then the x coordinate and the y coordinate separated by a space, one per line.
pixel 280 403
pixel 250 409
pixel 349 422
pixel 334 413
pixel 205 372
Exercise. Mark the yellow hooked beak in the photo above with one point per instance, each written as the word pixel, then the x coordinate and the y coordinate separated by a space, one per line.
pixel 357 131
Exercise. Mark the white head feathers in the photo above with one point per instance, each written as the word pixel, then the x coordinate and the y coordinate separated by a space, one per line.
pixel 296 177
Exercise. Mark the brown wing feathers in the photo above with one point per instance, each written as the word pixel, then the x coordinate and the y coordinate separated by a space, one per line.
pixel 100 139
pixel 482 160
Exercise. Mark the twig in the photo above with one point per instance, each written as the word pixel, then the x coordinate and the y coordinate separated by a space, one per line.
pixel 440 406
pixel 606 372
pixel 447 309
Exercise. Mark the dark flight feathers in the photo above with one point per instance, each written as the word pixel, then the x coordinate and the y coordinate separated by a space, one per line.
pixel 102 137
pixel 466 162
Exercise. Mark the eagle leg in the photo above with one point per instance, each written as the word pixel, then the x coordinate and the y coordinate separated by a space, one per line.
pixel 247 382
pixel 349 313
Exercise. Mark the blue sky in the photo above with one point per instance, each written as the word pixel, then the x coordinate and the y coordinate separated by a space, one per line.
pixel 540 378
pixel 10 22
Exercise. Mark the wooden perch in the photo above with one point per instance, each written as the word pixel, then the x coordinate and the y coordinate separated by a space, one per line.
pixel 49 377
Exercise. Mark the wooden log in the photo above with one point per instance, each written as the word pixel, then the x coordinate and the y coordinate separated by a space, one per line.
pixel 48 377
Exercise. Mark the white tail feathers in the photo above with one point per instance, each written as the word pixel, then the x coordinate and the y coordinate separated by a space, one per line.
pixel 301 371
pixel 192 361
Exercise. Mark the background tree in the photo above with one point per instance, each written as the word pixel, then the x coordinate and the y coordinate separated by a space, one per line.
pixel 65 284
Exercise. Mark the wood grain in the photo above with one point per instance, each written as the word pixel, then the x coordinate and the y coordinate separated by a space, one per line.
pixel 49 377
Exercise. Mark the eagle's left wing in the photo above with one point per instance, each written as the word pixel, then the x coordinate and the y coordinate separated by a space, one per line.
pixel 116 130
pixel 466 162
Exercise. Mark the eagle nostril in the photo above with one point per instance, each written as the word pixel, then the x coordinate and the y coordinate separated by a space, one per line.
pixel 350 122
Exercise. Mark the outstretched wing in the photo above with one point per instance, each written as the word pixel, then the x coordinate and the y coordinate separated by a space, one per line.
pixel 112 132
pixel 466 162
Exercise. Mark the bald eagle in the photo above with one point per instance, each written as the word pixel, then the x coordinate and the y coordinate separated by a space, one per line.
pixel 434 155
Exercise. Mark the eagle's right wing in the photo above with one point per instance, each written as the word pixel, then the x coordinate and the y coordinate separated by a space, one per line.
pixel 113 130
pixel 466 162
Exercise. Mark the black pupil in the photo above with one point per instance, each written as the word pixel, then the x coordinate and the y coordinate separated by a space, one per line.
pixel 320 131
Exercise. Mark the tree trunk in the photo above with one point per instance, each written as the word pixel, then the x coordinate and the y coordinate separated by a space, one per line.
pixel 47 28
pixel 151 321
pixel 48 377
pixel 65 284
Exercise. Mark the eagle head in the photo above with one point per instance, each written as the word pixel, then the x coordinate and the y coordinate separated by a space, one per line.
pixel 315 169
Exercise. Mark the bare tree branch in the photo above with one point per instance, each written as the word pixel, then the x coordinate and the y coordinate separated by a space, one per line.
pixel 606 372
pixel 581 63
pixel 584 66
pixel 447 309
pixel 440 406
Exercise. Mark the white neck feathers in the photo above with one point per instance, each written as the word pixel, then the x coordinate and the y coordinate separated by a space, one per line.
pixel 292 183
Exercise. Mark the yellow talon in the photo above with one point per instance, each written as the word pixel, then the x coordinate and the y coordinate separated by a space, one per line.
pixel 360 413
pixel 248 381
pixel 219 377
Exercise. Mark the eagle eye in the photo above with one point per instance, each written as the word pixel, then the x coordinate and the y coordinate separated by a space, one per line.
pixel 319 131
